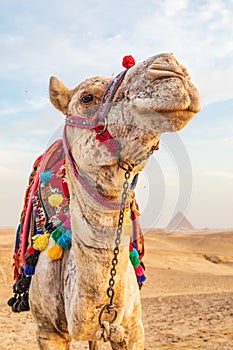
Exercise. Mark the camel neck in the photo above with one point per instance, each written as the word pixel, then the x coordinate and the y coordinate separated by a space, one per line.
pixel 92 224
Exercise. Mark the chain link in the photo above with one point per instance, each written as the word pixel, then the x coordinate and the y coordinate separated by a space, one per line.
pixel 110 290
pixel 127 166
pixel 110 308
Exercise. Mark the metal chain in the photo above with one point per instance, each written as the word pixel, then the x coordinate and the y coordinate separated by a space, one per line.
pixel 110 308
pixel 149 153
pixel 110 290
pixel 122 163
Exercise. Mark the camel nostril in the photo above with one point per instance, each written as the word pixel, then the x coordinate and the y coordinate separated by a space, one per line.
pixel 163 67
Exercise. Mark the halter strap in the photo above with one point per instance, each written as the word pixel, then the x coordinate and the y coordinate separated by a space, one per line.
pixel 101 115
pixel 99 124
pixel 94 194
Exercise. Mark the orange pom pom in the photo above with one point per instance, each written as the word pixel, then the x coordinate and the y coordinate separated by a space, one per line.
pixel 55 252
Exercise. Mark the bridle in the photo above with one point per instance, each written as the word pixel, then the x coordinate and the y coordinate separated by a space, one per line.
pixel 99 121
pixel 99 124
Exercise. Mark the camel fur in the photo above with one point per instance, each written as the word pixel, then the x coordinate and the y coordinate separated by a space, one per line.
pixel 66 296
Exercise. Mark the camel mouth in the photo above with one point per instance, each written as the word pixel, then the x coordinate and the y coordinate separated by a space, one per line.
pixel 178 113
pixel 178 119
pixel 185 111
pixel 165 120
pixel 147 106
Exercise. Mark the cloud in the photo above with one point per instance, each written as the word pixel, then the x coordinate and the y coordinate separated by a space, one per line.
pixel 75 46
pixel 10 111
pixel 202 44
pixel 171 8
pixel 76 40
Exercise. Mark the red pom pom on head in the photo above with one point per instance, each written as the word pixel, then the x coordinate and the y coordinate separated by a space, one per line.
pixel 128 62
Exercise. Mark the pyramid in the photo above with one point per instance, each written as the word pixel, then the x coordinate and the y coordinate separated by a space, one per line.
pixel 180 223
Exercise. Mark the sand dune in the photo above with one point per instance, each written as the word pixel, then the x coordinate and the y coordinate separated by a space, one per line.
pixel 187 299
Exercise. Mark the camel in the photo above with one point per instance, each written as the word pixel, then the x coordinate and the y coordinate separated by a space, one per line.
pixel 67 295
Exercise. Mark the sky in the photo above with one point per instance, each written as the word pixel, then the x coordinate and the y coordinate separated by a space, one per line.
pixel 74 40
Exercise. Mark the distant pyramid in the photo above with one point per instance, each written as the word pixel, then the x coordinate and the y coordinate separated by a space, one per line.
pixel 180 223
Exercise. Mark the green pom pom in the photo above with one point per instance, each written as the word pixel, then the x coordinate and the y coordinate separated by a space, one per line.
pixel 133 255
pixel 56 234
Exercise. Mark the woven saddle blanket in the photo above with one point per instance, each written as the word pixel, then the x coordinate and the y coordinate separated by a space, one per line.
pixel 46 215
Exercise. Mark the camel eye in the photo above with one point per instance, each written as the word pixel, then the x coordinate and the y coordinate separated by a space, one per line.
pixel 87 98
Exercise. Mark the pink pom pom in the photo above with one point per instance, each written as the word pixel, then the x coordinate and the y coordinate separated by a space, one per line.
pixel 67 223
pixel 139 270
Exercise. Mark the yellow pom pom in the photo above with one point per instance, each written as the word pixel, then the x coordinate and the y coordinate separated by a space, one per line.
pixel 55 199
pixel 134 207
pixel 41 241
pixel 55 252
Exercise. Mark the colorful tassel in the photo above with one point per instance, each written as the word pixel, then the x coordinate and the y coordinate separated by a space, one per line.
pixel 67 223
pixel 12 300
pixel 68 233
pixel 139 270
pixel 133 255
pixel 30 251
pixel 33 258
pixel 141 279
pixel 29 270
pixel 45 177
pixel 39 232
pixel 56 199
pixel 41 241
pixel 64 242
pixel 57 234
pixel 55 252
pixel 137 264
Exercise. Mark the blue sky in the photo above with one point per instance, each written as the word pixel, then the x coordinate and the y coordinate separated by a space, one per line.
pixel 75 40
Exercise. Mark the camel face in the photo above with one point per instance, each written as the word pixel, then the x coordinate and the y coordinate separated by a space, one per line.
pixel 159 84
pixel 160 93
pixel 155 96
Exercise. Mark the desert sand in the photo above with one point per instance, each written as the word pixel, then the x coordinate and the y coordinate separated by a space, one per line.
pixel 187 298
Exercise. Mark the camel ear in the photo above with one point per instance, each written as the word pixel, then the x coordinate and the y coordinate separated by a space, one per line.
pixel 60 95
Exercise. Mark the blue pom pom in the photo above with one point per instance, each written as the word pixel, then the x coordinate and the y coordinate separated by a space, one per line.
pixel 45 177
pixel 64 241
pixel 29 270
pixel 68 233
pixel 39 232
pixel 141 279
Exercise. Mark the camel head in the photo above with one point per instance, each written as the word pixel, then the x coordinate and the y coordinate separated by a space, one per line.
pixel 155 96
